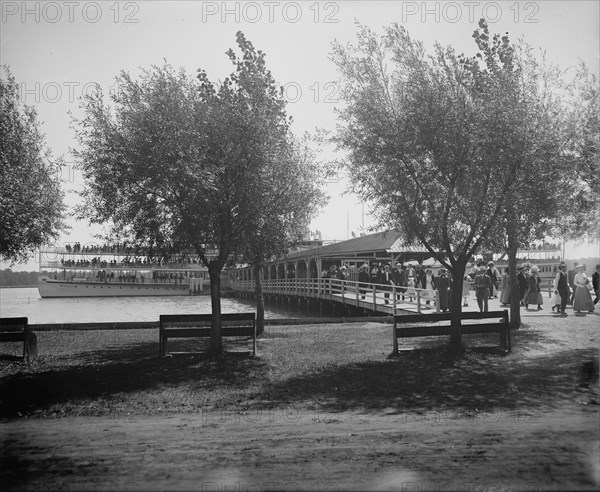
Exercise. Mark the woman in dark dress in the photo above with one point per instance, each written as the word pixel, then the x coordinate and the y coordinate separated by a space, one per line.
pixel 534 294
pixel 444 284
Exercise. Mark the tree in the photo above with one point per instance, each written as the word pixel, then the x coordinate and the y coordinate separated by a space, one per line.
pixel 500 118
pixel 288 199
pixel 436 142
pixel 581 207
pixel 558 158
pixel 546 126
pixel 31 199
pixel 179 164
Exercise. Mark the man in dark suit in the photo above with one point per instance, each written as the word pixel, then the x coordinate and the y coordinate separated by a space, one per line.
pixel 562 288
pixel 398 278
pixel 420 277
pixel 571 277
pixel 386 279
pixel 596 282
pixel 363 279
pixel 522 282
pixel 483 284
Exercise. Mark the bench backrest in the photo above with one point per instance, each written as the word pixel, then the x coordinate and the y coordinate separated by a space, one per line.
pixel 13 324
pixel 433 317
pixel 206 318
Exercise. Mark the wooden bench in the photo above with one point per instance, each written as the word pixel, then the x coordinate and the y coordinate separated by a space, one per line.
pixel 17 330
pixel 501 326
pixel 199 326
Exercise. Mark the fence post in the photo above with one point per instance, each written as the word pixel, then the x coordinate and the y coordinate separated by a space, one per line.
pixel 508 340
pixel 374 298
pixel 418 291
pixel 395 333
pixel 505 332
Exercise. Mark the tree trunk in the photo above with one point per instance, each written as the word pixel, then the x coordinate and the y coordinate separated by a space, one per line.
pixel 513 246
pixel 457 272
pixel 515 301
pixel 216 345
pixel 260 301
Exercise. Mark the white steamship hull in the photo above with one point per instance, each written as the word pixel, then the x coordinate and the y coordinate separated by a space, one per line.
pixel 56 288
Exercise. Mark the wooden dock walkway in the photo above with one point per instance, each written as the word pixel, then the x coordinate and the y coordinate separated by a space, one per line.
pixel 377 298
pixel 369 297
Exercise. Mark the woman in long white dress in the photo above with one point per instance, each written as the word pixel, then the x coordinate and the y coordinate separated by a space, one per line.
pixel 583 299
pixel 556 299
pixel 505 288
pixel 410 288
pixel 466 291
pixel 428 294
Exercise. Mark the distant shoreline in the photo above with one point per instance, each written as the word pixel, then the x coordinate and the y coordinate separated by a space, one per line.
pixel 18 286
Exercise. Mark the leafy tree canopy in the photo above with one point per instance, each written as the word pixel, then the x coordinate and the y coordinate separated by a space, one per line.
pixel 31 199
pixel 424 136
pixel 460 152
pixel 185 163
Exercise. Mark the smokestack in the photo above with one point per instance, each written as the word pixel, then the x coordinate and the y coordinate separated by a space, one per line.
pixel 347 223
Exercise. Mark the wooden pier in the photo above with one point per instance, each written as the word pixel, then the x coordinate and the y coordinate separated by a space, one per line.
pixel 365 298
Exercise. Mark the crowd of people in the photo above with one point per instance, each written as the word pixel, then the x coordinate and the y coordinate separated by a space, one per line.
pixel 572 287
pixel 575 288
pixel 130 261
pixel 408 278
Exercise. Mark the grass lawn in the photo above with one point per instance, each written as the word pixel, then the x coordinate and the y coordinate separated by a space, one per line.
pixel 331 366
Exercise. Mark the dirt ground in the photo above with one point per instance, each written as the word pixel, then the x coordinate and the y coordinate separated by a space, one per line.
pixel 288 449
pixel 449 430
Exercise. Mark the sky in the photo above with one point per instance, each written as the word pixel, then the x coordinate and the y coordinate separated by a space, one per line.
pixel 58 50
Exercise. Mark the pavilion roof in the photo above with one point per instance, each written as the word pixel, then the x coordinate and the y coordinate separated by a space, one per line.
pixel 377 244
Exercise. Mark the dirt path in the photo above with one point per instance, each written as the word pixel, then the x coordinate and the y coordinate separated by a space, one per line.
pixel 287 449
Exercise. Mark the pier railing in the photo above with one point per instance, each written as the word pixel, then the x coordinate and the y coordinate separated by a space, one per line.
pixel 377 297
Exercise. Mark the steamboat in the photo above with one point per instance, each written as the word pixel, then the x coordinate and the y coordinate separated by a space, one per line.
pixel 102 272
pixel 547 257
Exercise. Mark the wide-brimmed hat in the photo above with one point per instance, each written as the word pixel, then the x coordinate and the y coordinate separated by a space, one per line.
pixel 520 267
pixel 535 269
pixel 580 266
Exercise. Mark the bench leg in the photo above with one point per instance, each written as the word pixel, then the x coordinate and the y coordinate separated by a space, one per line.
pixel 505 338
pixel 395 339
pixel 29 345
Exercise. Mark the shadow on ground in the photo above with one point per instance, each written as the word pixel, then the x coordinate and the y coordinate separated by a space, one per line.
pixel 428 379
pixel 119 372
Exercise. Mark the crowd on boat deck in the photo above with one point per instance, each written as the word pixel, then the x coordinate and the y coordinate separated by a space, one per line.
pixel 131 253
pixel 128 261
